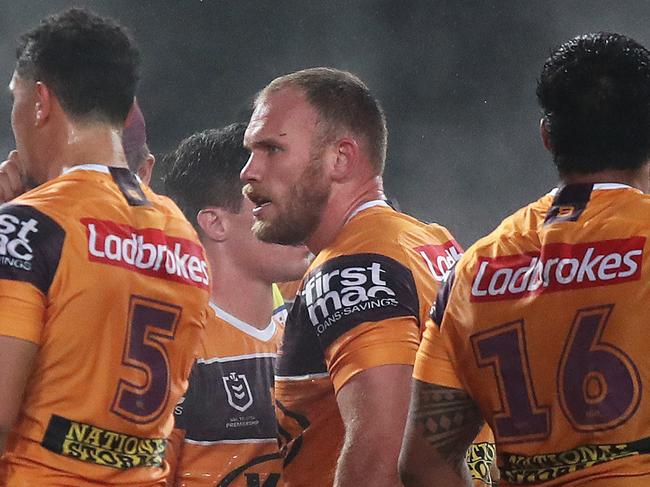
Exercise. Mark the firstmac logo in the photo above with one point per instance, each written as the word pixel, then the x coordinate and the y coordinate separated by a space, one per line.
pixel 346 287
pixel 349 290
pixel 15 235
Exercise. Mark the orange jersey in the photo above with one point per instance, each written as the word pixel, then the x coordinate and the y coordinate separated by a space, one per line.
pixel 362 304
pixel 111 282
pixel 544 326
pixel 226 428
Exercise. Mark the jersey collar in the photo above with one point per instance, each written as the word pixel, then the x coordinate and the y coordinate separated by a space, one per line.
pixel 93 167
pixel 603 186
pixel 263 335
pixel 365 206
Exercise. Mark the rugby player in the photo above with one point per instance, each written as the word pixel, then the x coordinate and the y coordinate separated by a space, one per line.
pixel 542 330
pixel 318 144
pixel 104 285
pixel 226 432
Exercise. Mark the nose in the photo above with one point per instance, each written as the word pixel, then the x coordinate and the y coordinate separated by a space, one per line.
pixel 250 171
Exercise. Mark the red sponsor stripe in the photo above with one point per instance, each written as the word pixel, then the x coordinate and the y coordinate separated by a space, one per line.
pixel 440 258
pixel 148 251
pixel 558 267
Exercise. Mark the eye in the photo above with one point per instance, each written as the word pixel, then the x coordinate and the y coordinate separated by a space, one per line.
pixel 272 149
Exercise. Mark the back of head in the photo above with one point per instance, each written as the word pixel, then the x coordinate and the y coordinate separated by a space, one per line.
pixel 204 171
pixel 594 91
pixel 90 64
pixel 343 102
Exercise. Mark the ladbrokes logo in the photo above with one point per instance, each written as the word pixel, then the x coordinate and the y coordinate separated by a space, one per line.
pixel 148 251
pixel 559 267
pixel 440 259
pixel 352 289
pixel 15 248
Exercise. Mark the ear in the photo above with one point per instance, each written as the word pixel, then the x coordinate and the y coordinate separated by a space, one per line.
pixel 43 106
pixel 146 168
pixel 346 157
pixel 213 223
pixel 546 137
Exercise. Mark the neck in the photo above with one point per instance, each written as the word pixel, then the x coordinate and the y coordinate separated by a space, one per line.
pixel 341 204
pixel 243 296
pixel 639 178
pixel 85 144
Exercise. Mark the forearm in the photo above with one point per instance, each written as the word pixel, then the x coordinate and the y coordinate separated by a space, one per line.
pixel 435 448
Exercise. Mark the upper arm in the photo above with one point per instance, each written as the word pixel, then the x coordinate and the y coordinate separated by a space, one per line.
pixel 441 425
pixel 374 404
pixel 16 360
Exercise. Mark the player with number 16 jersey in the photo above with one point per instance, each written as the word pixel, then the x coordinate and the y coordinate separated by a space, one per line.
pixel 542 331
pixel 557 352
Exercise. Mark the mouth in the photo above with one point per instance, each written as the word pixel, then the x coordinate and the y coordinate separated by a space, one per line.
pixel 259 207
pixel 259 200
pixel 260 203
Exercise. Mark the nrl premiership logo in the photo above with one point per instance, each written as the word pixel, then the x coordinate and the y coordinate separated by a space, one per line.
pixel 238 391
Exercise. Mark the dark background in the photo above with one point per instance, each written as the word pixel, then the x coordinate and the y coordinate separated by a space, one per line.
pixel 457 79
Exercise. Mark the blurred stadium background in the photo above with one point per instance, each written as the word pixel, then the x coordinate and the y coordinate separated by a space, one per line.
pixel 457 80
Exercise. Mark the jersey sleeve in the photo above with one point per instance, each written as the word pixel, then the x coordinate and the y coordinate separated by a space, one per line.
pixel 363 310
pixel 388 342
pixel 30 250
pixel 433 363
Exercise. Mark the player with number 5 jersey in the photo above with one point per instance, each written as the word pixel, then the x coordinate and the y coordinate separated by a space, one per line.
pixel 542 329
pixel 103 284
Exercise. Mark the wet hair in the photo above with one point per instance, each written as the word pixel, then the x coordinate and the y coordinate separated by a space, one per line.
pixel 594 92
pixel 90 63
pixel 343 102
pixel 204 171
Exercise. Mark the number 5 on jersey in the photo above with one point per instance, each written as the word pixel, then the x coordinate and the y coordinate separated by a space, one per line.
pixel 151 325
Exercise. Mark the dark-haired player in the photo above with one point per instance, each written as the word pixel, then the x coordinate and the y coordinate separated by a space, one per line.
pixel 226 432
pixel 542 331
pixel 318 143
pixel 103 284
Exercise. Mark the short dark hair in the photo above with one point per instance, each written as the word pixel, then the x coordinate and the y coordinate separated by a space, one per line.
pixel 89 62
pixel 594 92
pixel 204 171
pixel 341 100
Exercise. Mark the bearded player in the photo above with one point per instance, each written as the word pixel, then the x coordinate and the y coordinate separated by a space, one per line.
pixel 318 145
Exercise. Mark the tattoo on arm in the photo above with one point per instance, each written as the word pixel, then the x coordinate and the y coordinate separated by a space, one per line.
pixel 449 418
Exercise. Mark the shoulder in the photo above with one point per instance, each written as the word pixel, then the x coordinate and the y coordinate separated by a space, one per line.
pixel 391 233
